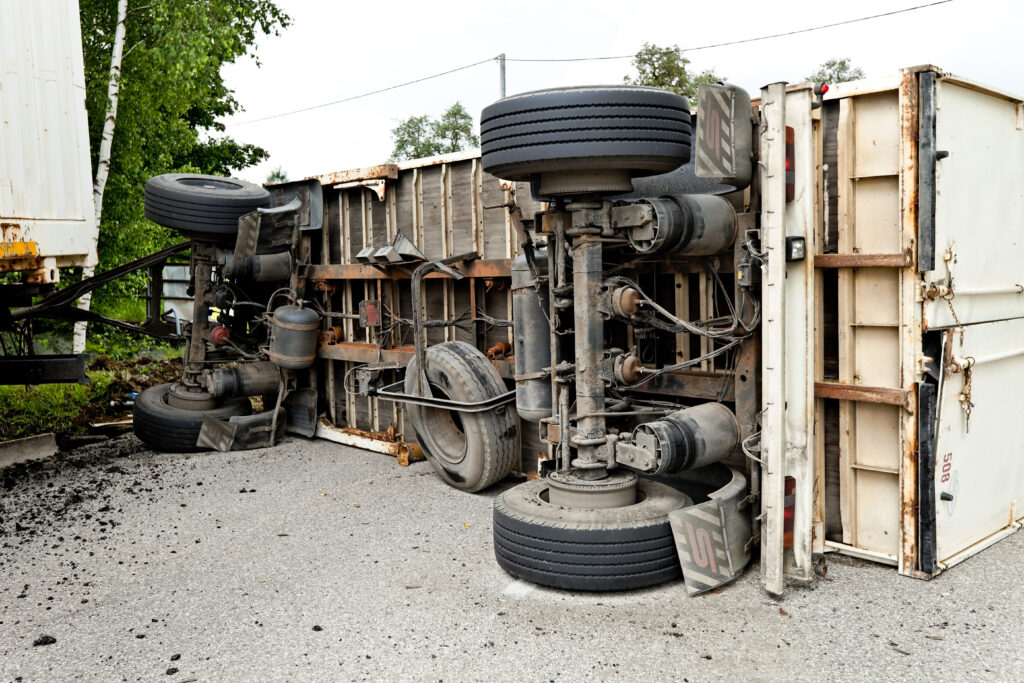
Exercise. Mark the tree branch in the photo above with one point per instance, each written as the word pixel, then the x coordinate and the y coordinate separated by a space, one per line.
pixel 129 51
pixel 138 9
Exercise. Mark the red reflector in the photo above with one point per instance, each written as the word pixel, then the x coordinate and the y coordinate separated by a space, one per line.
pixel 789 490
pixel 824 88
pixel 790 154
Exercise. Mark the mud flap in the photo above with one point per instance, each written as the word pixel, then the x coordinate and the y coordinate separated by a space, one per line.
pixel 300 405
pixel 240 433
pixel 713 538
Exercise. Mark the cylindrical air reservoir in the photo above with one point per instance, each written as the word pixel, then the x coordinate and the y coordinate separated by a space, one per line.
pixel 293 336
pixel 531 333
pixel 261 267
pixel 248 379
pixel 693 437
pixel 697 224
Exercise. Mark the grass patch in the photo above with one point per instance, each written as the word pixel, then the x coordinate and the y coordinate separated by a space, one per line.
pixel 67 409
pixel 60 408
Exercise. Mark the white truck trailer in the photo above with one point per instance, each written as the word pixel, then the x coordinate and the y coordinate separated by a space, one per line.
pixel 46 205
pixel 881 232
pixel 893 355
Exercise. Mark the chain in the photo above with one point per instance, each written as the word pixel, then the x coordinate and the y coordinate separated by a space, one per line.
pixel 965 394
pixel 952 311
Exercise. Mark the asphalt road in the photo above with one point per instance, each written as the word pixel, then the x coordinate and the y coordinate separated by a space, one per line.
pixel 313 561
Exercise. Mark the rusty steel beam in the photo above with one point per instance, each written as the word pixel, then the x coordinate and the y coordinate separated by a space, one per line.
pixel 357 352
pixel 899 260
pixel 481 268
pixel 380 442
pixel 849 392
pixel 368 173
pixel 708 386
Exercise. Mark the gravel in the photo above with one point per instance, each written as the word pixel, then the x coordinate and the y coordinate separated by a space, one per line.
pixel 314 561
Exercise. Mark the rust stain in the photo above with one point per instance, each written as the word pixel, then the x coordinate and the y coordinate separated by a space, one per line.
pixel 386 442
pixel 851 392
pixel 481 268
pixel 367 173
pixel 359 352
pixel 499 351
pixel 908 501
pixel 387 435
pixel 899 260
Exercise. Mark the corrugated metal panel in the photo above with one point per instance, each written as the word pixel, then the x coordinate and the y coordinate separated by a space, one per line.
pixel 45 169
pixel 446 205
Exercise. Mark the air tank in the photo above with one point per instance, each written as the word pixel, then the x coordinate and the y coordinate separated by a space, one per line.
pixel 697 224
pixel 294 332
pixel 691 437
pixel 532 338
pixel 248 379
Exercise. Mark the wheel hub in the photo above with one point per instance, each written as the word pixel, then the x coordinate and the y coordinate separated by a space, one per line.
pixel 567 490
pixel 183 398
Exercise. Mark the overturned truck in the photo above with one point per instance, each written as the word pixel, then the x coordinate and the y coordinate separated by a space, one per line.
pixel 764 328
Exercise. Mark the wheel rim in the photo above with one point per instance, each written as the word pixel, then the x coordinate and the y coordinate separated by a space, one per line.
pixel 177 397
pixel 543 496
pixel 445 428
pixel 210 184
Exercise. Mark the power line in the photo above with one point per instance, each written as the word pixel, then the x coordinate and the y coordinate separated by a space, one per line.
pixel 365 94
pixel 585 59
pixel 745 40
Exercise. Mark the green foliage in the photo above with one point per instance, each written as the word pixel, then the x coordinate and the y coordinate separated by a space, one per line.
pixel 454 130
pixel 422 136
pixel 412 139
pixel 278 175
pixel 837 70
pixel 666 68
pixel 172 96
pixel 119 344
pixel 60 408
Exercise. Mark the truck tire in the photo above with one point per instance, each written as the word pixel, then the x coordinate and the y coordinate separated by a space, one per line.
pixel 166 428
pixel 644 130
pixel 469 451
pixel 606 549
pixel 203 207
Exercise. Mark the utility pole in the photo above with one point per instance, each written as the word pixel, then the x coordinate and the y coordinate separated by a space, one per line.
pixel 501 68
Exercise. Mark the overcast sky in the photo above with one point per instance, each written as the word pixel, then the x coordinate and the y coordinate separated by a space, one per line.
pixel 335 50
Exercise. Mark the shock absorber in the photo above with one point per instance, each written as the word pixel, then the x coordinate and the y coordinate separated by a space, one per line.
pixel 589 339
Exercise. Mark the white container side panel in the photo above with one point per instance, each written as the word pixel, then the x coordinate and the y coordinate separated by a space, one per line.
pixel 799 335
pixel 981 468
pixel 45 167
pixel 979 206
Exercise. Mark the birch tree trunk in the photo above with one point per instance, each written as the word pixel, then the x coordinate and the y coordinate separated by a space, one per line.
pixel 103 164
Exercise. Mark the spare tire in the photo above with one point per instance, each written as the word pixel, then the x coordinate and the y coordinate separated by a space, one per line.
pixel 602 549
pixel 166 428
pixel 203 207
pixel 639 129
pixel 469 451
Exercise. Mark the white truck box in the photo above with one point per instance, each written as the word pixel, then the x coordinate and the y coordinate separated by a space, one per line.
pixel 894 354
pixel 46 207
